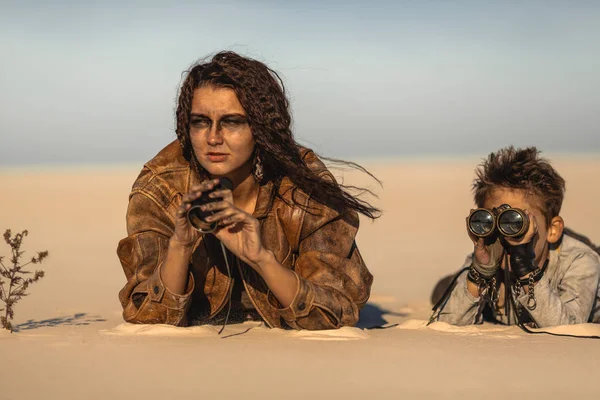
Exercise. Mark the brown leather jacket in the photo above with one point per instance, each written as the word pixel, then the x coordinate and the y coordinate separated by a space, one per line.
pixel 319 246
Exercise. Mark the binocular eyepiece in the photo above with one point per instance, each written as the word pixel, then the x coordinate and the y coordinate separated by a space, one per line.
pixel 196 216
pixel 510 222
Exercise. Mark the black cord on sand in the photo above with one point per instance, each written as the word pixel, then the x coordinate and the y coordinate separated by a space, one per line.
pixel 381 327
pixel 237 334
pixel 230 287
pixel 229 297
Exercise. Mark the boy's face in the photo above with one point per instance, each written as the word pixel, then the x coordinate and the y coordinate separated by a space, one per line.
pixel 517 198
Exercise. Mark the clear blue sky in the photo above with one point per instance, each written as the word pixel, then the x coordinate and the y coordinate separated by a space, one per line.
pixel 95 82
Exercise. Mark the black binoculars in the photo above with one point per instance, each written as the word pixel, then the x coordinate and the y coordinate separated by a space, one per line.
pixel 197 217
pixel 510 222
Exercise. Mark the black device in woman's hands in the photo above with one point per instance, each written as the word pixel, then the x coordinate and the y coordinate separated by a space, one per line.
pixel 197 217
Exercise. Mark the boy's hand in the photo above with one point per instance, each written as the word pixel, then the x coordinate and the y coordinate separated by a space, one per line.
pixel 522 250
pixel 487 254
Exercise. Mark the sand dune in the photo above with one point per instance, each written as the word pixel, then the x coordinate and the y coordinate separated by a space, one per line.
pixel 71 341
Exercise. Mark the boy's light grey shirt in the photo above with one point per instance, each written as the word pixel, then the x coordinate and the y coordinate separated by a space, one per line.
pixel 568 293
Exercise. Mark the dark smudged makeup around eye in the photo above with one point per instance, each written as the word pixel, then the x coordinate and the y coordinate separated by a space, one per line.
pixel 233 120
pixel 227 120
pixel 200 121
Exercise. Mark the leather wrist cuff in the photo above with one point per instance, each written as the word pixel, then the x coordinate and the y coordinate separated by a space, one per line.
pixel 475 277
pixel 535 275
pixel 522 259
pixel 486 271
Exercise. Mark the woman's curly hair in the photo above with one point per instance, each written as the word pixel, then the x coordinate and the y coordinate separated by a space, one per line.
pixel 261 93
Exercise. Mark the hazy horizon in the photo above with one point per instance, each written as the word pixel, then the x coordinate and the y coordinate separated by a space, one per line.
pixel 96 83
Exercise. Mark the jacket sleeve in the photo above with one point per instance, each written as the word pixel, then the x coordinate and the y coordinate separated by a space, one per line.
pixel 333 280
pixel 461 307
pixel 144 297
pixel 573 302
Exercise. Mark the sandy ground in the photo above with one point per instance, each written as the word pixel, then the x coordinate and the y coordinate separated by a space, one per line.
pixel 72 344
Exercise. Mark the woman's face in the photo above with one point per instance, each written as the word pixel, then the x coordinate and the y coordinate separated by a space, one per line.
pixel 219 131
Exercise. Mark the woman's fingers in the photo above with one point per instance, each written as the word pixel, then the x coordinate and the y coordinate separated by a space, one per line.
pixel 190 197
pixel 183 209
pixel 229 217
pixel 216 205
pixel 204 186
pixel 234 219
pixel 220 193
pixel 197 190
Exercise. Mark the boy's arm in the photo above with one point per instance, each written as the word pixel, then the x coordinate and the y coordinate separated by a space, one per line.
pixel 573 302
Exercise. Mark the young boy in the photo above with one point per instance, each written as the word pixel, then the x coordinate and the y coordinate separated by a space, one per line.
pixel 552 279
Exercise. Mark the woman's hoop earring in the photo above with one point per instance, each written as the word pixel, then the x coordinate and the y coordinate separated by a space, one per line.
pixel 258 170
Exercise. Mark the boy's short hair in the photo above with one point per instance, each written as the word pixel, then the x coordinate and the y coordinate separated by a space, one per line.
pixel 521 169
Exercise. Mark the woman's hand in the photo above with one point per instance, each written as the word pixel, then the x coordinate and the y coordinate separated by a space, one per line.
pixel 240 233
pixel 237 230
pixel 185 234
pixel 174 272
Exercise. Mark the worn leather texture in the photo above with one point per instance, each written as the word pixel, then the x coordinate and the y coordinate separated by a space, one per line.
pixel 311 239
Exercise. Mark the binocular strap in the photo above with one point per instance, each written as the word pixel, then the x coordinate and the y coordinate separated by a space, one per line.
pixel 437 308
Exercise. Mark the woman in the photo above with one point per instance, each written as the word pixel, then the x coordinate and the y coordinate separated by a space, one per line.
pixel 286 229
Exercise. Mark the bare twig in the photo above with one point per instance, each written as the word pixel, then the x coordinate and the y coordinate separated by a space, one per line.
pixel 17 283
